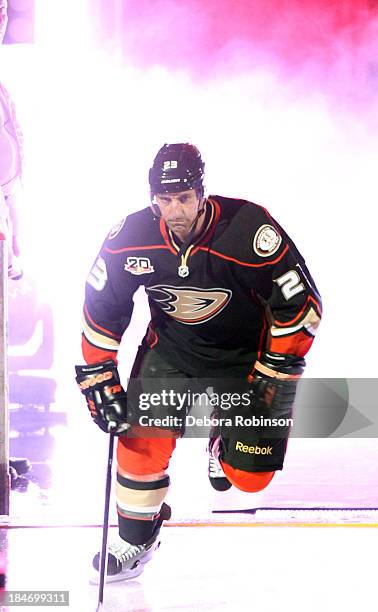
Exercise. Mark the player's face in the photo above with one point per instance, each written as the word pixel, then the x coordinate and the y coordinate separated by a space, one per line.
pixel 3 18
pixel 179 210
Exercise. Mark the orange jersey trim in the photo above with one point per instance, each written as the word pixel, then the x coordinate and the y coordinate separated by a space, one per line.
pixel 93 354
pixel 300 313
pixel 164 233
pixel 262 335
pixel 244 263
pixel 201 239
pixel 136 248
pixel 297 344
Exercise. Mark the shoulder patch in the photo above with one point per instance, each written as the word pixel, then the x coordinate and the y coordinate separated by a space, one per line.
pixel 266 241
pixel 116 229
pixel 139 265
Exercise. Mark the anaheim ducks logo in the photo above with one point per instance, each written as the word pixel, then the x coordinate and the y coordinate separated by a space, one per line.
pixel 190 305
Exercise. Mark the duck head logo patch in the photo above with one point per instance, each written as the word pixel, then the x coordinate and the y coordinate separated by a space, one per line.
pixel 190 305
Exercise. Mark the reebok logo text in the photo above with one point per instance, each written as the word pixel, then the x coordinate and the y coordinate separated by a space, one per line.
pixel 253 450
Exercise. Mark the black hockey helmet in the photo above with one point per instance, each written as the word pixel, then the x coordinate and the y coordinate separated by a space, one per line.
pixel 177 167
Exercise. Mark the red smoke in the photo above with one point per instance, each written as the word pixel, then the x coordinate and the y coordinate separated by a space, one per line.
pixel 182 33
pixel 334 40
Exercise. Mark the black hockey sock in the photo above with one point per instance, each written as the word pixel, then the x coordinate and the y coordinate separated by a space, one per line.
pixel 136 531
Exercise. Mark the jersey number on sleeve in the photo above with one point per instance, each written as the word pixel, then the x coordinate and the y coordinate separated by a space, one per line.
pixel 98 276
pixel 290 284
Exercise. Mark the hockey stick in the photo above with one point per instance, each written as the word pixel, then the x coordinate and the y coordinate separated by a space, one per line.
pixel 105 527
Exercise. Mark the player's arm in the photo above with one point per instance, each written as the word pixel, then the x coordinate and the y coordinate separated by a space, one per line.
pixel 292 308
pixel 293 312
pixel 107 313
pixel 108 305
pixel 105 316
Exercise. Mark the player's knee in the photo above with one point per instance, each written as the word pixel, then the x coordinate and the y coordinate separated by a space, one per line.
pixel 250 482
pixel 144 456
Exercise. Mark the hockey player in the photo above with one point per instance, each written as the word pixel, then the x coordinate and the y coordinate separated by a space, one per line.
pixel 230 298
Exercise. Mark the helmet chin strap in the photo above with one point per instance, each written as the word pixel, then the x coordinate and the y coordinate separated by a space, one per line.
pixel 154 207
pixel 200 212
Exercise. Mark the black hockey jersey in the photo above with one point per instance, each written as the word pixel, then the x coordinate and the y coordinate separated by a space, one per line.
pixel 240 288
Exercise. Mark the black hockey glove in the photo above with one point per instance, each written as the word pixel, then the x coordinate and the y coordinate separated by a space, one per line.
pixel 258 443
pixel 106 399
pixel 273 393
pixel 274 379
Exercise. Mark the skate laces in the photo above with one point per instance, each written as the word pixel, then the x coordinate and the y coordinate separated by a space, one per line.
pixel 215 468
pixel 123 551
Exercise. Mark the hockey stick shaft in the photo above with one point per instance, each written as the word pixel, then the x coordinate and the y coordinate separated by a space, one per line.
pixel 105 527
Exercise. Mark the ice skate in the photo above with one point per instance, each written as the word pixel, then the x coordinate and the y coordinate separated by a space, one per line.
pixel 125 560
pixel 217 477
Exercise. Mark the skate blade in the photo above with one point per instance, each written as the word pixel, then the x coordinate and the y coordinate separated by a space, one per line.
pixel 125 575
